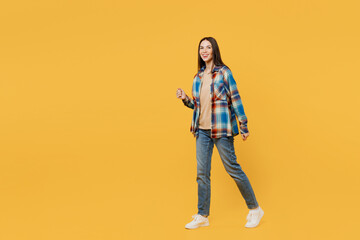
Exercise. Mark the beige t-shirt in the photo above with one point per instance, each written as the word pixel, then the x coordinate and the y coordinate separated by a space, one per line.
pixel 205 102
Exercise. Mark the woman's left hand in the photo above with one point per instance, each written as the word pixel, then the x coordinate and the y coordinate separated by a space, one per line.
pixel 244 136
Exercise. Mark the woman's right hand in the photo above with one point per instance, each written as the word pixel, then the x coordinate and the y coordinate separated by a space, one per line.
pixel 180 93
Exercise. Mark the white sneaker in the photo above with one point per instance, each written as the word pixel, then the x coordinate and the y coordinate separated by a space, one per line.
pixel 199 221
pixel 254 217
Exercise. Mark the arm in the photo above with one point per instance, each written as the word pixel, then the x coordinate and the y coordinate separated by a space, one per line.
pixel 236 100
pixel 188 102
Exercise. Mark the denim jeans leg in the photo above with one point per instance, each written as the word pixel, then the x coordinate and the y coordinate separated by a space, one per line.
pixel 204 150
pixel 225 146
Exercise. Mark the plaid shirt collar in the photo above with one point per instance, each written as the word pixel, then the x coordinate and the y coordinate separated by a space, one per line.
pixel 215 69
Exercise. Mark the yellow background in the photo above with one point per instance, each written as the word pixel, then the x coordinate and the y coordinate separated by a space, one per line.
pixel 95 144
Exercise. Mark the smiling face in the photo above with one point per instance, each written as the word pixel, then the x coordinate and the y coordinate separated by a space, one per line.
pixel 206 51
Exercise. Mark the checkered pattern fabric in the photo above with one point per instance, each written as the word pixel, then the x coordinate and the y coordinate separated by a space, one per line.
pixel 226 104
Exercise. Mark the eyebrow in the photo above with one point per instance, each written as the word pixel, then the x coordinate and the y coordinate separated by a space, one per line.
pixel 206 46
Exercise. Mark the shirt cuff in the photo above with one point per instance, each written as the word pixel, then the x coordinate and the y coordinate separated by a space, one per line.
pixel 243 128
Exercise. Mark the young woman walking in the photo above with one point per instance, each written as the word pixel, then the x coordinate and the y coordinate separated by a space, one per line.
pixel 216 103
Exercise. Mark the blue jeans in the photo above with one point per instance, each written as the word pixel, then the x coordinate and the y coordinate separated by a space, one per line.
pixel 225 146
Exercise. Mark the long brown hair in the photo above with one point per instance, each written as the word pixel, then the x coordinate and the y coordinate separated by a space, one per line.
pixel 215 51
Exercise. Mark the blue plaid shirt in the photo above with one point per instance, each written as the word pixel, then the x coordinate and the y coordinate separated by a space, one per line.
pixel 225 104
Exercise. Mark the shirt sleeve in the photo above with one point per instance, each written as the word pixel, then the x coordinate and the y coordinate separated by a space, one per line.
pixel 236 100
pixel 188 102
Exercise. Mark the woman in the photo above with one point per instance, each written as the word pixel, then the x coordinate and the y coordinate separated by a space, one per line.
pixel 216 101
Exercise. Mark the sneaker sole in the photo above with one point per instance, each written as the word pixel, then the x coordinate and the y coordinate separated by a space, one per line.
pixel 261 215
pixel 203 225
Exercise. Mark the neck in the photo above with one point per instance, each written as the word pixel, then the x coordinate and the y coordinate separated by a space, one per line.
pixel 209 66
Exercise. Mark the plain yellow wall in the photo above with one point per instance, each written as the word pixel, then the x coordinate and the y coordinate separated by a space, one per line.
pixel 95 144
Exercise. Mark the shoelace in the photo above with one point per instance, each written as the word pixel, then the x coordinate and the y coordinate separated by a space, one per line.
pixel 250 216
pixel 197 217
